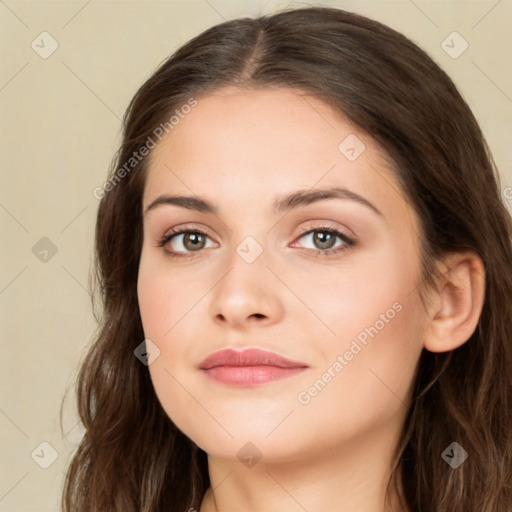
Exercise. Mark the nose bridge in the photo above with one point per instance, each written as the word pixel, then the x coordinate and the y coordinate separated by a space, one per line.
pixel 246 292
pixel 249 240
pixel 247 269
pixel 250 249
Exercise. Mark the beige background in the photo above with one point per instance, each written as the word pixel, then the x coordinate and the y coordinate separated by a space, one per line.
pixel 60 122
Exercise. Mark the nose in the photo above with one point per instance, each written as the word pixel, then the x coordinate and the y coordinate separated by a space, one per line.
pixel 248 295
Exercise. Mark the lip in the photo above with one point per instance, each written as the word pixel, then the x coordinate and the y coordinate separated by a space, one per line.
pixel 249 367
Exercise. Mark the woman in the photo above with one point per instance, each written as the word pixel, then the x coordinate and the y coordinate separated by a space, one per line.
pixel 306 272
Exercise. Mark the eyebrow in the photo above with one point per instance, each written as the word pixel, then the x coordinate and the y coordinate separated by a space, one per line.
pixel 281 204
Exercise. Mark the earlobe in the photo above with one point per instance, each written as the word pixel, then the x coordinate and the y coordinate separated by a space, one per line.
pixel 457 304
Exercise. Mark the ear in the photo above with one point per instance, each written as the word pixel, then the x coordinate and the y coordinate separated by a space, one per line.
pixel 456 305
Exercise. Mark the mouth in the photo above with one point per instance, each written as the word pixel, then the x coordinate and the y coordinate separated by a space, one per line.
pixel 249 367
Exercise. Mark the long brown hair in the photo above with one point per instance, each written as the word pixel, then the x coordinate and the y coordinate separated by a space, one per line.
pixel 132 456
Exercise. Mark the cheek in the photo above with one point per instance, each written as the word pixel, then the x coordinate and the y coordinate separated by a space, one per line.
pixel 365 387
pixel 165 296
pixel 379 320
pixel 353 297
pixel 169 302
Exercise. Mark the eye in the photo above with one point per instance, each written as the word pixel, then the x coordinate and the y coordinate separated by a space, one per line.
pixel 323 240
pixel 183 241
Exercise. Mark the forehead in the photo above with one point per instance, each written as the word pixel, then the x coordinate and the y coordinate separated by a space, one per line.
pixel 276 124
pixel 247 145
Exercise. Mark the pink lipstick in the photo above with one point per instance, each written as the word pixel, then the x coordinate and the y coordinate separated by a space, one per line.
pixel 249 367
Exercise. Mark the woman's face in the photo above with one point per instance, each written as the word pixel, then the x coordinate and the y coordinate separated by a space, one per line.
pixel 271 272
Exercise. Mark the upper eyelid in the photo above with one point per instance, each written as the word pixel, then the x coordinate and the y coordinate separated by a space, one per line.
pixel 325 227
pixel 192 227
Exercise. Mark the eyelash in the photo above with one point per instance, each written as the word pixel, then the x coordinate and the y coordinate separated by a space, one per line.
pixel 348 242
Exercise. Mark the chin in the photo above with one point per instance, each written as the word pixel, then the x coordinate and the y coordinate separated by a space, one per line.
pixel 250 450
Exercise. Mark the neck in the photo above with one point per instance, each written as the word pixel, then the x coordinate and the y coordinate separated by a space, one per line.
pixel 353 479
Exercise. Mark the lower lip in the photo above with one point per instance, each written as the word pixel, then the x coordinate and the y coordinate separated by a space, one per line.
pixel 250 375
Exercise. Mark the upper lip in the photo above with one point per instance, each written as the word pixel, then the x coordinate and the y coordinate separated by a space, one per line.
pixel 248 357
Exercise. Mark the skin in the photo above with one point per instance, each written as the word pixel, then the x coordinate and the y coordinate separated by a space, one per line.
pixel 241 149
